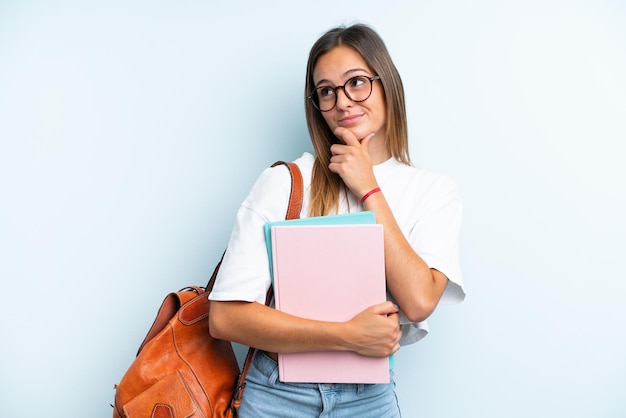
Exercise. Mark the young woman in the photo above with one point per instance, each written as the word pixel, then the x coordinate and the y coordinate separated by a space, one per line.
pixel 356 118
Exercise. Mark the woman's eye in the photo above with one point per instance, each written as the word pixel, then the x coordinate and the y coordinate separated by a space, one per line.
pixel 325 92
pixel 357 82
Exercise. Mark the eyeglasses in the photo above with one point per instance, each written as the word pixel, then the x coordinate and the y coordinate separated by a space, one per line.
pixel 357 89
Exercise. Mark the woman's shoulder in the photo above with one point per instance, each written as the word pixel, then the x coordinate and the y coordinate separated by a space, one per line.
pixel 278 175
pixel 278 172
pixel 270 193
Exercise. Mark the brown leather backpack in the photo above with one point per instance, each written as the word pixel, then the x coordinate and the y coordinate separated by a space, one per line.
pixel 180 370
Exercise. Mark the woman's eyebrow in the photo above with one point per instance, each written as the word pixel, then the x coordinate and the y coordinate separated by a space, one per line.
pixel 354 70
pixel 347 73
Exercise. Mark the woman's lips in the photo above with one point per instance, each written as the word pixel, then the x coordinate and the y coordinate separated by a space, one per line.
pixel 350 120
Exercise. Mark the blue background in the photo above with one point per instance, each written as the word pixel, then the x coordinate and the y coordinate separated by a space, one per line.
pixel 130 131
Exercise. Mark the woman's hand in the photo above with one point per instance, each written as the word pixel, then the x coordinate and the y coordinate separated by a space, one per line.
pixel 375 332
pixel 352 161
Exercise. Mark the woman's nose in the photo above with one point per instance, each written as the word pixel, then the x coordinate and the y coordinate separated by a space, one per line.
pixel 343 101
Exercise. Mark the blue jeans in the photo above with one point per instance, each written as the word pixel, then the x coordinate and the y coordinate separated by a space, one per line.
pixel 267 397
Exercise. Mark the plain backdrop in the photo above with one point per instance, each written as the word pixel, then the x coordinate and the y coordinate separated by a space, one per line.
pixel 130 131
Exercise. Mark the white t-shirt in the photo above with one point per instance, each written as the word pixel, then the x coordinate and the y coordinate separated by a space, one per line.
pixel 426 207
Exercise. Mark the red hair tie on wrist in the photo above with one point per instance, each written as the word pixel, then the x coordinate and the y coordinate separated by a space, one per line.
pixel 368 194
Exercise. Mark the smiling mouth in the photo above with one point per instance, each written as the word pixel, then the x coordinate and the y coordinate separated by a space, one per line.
pixel 349 120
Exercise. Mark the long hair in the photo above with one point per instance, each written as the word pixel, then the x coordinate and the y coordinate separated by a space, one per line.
pixel 326 185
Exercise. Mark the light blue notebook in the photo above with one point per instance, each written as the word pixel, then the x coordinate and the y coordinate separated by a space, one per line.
pixel 365 217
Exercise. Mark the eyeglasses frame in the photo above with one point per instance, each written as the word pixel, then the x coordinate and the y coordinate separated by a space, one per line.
pixel 335 89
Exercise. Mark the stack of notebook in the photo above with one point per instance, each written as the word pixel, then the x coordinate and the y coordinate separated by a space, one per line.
pixel 328 268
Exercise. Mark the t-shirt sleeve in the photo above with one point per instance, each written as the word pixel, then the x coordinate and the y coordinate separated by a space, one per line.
pixel 435 236
pixel 244 274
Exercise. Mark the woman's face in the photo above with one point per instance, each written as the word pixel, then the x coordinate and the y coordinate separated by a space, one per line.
pixel 333 69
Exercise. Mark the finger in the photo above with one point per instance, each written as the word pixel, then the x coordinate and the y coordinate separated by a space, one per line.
pixel 346 136
pixel 394 318
pixel 386 308
pixel 338 149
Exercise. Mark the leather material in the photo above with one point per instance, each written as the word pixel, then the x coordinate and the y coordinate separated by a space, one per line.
pixel 180 370
pixel 297 190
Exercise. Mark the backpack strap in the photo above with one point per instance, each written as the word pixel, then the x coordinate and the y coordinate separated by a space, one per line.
pixel 293 208
pixel 293 212
pixel 297 190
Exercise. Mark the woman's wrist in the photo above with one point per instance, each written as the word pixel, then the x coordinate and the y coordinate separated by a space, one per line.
pixel 369 193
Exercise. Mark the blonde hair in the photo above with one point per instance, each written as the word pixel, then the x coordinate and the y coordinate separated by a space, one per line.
pixel 325 185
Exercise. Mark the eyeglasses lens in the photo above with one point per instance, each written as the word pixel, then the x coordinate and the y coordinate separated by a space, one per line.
pixel 357 89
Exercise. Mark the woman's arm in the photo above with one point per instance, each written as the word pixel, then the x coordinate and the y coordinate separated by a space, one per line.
pixel 413 285
pixel 374 332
